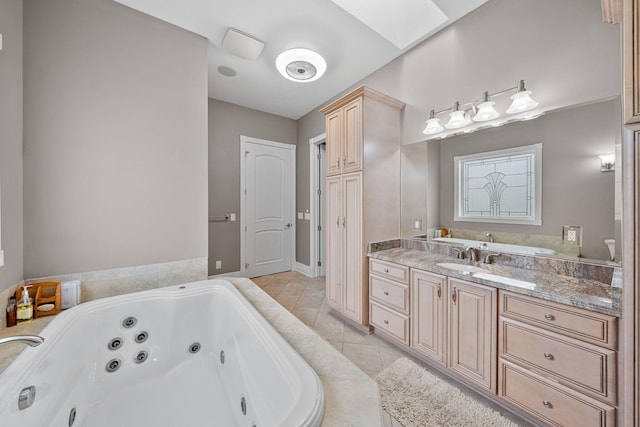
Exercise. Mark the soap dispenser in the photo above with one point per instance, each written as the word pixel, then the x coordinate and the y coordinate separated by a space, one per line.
pixel 25 306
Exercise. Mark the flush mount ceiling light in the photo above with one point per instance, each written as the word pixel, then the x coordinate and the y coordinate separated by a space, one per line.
pixel 301 65
pixel 483 110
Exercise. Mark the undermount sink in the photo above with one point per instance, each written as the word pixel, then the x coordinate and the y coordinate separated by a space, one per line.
pixel 462 268
pixel 504 280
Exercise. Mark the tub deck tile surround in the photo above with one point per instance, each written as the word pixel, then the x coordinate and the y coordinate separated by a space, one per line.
pixel 549 285
pixel 351 396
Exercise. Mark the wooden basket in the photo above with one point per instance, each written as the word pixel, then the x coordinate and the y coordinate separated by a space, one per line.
pixel 44 293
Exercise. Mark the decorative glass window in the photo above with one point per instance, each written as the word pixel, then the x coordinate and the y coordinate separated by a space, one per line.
pixel 502 186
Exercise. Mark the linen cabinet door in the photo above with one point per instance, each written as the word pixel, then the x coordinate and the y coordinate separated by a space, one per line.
pixel 473 332
pixel 334 143
pixel 354 294
pixel 428 319
pixel 334 256
pixel 353 141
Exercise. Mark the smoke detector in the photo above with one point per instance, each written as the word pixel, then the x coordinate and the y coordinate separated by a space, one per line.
pixel 301 65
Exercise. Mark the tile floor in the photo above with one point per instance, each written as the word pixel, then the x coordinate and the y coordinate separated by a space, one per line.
pixel 305 298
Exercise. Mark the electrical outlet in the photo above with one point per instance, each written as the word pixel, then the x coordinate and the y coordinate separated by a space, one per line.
pixel 572 235
pixel 218 265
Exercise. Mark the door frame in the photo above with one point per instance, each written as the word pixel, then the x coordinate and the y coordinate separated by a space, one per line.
pixel 244 140
pixel 313 185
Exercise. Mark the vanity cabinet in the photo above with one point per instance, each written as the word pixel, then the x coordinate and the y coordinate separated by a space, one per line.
pixel 362 193
pixel 472 331
pixel 556 362
pixel 453 323
pixel 429 314
pixel 389 299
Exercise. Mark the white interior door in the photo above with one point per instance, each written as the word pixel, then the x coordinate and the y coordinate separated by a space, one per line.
pixel 268 209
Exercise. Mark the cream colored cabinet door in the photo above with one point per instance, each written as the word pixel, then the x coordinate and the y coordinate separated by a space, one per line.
pixel 428 319
pixel 344 139
pixel 353 141
pixel 334 143
pixel 352 234
pixel 473 331
pixel 344 245
pixel 335 241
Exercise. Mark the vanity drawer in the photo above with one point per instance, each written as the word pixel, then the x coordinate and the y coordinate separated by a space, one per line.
pixel 389 270
pixel 584 367
pixel 390 293
pixel 584 325
pixel 389 321
pixel 551 403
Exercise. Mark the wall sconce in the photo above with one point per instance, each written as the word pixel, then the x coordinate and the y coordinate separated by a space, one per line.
pixel 481 110
pixel 607 162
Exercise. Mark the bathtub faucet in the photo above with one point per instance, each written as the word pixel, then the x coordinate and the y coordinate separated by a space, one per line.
pixel 32 340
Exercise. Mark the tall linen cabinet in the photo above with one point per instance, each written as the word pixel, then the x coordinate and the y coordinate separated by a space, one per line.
pixel 362 192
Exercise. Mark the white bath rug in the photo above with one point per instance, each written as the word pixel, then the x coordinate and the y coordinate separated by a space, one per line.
pixel 417 398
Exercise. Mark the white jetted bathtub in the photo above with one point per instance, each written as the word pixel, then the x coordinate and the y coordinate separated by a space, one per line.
pixel 197 354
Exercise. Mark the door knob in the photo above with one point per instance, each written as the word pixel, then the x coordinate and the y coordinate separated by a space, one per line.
pixel 288 225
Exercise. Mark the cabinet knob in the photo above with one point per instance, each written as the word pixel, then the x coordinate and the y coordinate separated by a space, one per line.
pixel 338 162
pixel 453 296
pixel 386 270
pixel 439 292
pixel 548 316
pixel 386 322
pixel 547 404
pixel 386 293
pixel 548 356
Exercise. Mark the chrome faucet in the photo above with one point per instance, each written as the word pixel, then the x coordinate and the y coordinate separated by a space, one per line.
pixel 459 252
pixel 32 340
pixel 490 236
pixel 489 257
pixel 473 253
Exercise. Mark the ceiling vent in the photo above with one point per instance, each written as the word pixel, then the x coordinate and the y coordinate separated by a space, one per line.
pixel 242 45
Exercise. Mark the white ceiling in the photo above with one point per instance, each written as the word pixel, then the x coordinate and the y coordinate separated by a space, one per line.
pixel 351 48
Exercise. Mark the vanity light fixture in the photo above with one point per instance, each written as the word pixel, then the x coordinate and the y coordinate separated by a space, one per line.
pixel 457 118
pixel 482 110
pixel 433 124
pixel 607 162
pixel 522 100
pixel 301 65
pixel 486 111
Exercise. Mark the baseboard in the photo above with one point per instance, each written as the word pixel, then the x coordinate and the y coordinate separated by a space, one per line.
pixel 230 274
pixel 303 269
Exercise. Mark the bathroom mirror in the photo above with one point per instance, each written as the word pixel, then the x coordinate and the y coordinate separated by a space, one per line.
pixel 578 188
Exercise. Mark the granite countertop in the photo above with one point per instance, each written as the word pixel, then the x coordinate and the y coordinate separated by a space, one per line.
pixel 577 292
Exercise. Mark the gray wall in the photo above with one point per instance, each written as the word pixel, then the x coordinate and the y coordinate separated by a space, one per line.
pixel 11 142
pixel 115 138
pixel 574 190
pixel 564 51
pixel 226 123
